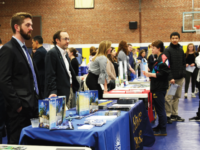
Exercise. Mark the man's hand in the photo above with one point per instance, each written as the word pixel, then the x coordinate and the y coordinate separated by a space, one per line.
pixel 172 81
pixel 52 95
pixel 192 65
pixel 19 109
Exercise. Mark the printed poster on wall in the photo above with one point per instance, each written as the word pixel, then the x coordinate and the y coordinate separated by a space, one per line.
pixel 84 3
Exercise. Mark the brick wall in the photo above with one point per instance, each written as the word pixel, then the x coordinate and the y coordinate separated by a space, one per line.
pixel 108 20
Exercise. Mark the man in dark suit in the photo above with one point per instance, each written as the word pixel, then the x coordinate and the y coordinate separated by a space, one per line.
pixel 60 78
pixel 18 77
pixel 39 59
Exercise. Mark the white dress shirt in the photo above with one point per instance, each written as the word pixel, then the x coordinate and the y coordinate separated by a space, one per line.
pixel 63 53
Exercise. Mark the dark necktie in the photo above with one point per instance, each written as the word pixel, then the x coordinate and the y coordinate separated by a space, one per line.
pixel 32 69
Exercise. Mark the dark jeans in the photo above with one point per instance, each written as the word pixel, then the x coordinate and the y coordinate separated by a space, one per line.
pixel 92 84
pixel 159 103
pixel 187 79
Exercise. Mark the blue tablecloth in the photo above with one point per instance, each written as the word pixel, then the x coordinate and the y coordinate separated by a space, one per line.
pixel 116 134
pixel 141 132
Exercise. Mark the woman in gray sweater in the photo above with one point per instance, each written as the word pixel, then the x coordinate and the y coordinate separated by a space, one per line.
pixel 97 72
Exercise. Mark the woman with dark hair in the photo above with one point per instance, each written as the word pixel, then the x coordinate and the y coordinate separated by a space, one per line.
pixel 159 85
pixel 190 61
pixel 93 52
pixel 112 57
pixel 114 54
pixel 72 53
pixel 122 55
pixel 141 56
pixel 110 69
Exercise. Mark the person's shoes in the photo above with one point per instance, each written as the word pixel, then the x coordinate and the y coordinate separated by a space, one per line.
pixel 169 121
pixel 173 117
pixel 156 128
pixel 177 118
pixel 185 95
pixel 194 118
pixel 193 95
pixel 160 133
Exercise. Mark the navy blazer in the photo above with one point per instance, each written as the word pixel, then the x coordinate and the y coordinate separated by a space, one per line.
pixel 57 80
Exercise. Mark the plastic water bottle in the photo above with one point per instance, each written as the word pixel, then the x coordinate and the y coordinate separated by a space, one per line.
pixel 117 82
pixel 136 73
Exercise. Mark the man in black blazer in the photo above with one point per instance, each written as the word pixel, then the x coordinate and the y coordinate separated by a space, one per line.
pixel 39 59
pixel 18 77
pixel 60 78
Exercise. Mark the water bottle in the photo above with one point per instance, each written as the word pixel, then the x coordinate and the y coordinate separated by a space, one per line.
pixel 136 73
pixel 117 82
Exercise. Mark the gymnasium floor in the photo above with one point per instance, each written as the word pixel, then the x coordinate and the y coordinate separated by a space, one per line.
pixel 181 135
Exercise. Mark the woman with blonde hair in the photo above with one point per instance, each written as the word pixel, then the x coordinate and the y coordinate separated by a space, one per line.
pixel 190 61
pixel 97 72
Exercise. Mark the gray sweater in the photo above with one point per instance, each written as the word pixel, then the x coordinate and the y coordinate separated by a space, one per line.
pixel 98 67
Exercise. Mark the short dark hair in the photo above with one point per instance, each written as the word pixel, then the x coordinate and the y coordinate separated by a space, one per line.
pixel 39 39
pixel 18 19
pixel 0 41
pixel 158 44
pixel 129 44
pixel 175 34
pixel 57 36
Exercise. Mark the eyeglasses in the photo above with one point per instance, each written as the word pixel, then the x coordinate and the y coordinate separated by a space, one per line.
pixel 66 39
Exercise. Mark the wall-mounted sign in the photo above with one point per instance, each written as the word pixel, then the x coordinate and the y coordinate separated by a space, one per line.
pixel 84 4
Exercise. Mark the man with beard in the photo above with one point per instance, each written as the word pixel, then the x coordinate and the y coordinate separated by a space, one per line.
pixel 60 78
pixel 18 77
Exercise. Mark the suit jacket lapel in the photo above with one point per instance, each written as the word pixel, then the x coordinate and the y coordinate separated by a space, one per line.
pixel 18 47
pixel 61 60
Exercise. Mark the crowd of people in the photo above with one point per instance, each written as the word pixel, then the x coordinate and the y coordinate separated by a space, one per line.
pixel 25 78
